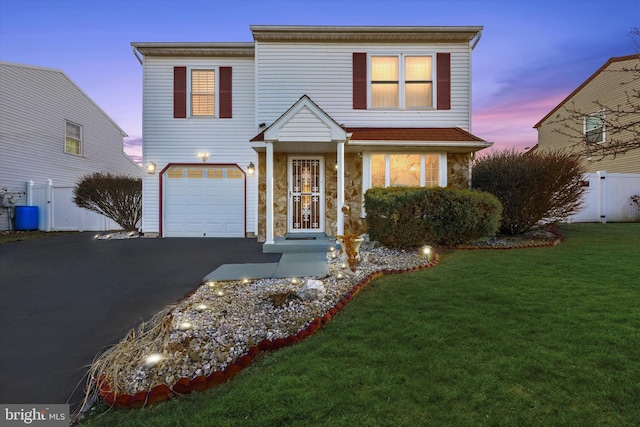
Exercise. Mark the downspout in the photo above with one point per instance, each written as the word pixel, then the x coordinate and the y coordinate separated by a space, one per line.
pixel 136 54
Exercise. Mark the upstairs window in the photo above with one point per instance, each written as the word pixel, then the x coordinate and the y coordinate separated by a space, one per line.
pixel 594 129
pixel 203 92
pixel 401 81
pixel 73 138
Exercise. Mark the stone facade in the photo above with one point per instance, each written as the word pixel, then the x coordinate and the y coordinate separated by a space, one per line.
pixel 458 176
pixel 458 170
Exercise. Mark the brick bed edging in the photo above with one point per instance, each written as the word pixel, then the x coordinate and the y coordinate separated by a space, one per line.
pixel 559 238
pixel 187 385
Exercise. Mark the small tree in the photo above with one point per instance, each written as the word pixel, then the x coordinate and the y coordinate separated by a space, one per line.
pixel 534 187
pixel 118 197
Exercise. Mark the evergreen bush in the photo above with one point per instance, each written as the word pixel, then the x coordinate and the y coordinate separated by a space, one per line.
pixel 408 217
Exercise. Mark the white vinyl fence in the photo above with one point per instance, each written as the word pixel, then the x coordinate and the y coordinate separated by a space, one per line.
pixel 608 198
pixel 58 212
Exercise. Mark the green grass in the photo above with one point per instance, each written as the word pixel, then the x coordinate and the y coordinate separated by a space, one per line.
pixel 528 337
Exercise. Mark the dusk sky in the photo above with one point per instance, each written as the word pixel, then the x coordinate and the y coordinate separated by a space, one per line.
pixel 532 54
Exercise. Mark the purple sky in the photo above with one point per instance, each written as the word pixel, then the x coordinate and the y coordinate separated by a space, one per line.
pixel 532 53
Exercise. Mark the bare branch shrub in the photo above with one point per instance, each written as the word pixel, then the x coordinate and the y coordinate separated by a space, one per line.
pixel 118 197
pixel 534 188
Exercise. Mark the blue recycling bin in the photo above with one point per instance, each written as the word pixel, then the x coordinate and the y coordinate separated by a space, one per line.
pixel 26 218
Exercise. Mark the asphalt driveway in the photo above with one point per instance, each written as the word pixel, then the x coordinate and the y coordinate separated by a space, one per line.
pixel 65 299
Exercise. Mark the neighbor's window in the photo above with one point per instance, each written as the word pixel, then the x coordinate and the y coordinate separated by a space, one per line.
pixel 413 90
pixel 594 128
pixel 203 92
pixel 73 138
pixel 405 170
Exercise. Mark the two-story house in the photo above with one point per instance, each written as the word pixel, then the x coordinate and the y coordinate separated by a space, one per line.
pixel 597 113
pixel 277 137
pixel 51 135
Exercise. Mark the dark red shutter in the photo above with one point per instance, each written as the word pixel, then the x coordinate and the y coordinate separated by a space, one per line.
pixel 179 92
pixel 443 68
pixel 359 81
pixel 226 104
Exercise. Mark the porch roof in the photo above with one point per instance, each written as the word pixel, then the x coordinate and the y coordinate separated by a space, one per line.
pixel 450 139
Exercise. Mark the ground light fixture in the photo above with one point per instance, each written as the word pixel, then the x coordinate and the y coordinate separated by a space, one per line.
pixel 185 326
pixel 153 359
pixel 425 252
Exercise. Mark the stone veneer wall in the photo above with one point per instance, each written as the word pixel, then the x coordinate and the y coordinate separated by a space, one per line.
pixel 457 176
pixel 458 170
pixel 353 192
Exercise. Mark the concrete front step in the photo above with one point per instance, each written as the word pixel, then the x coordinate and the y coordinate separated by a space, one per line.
pixel 297 243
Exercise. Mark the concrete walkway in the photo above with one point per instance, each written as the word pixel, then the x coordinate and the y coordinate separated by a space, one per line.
pixel 290 265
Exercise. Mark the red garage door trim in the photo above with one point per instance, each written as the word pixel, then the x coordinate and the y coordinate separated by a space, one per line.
pixel 169 165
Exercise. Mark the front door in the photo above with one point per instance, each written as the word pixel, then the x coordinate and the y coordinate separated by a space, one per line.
pixel 306 194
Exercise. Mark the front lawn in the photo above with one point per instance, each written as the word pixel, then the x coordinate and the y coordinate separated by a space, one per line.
pixel 529 337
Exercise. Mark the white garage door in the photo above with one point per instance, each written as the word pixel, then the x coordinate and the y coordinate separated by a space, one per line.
pixel 204 201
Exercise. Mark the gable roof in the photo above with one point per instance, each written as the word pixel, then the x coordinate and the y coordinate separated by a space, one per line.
pixel 55 70
pixel 333 131
pixel 579 88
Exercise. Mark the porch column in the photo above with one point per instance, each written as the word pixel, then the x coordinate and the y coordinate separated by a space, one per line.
pixel 340 195
pixel 269 201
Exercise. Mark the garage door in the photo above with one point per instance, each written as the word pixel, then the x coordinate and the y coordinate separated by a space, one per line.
pixel 204 201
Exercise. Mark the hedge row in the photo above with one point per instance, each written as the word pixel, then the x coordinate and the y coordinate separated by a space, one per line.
pixel 408 217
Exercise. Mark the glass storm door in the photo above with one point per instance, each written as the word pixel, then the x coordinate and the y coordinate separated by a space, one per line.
pixel 306 194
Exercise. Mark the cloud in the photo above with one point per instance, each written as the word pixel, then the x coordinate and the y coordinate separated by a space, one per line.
pixel 508 123
pixel 133 148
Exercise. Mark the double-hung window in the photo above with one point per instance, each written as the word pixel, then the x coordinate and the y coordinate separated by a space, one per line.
pixel 401 81
pixel 73 138
pixel 594 128
pixel 203 87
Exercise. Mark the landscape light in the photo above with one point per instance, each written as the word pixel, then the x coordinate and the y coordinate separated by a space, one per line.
pixel 152 360
pixel 185 326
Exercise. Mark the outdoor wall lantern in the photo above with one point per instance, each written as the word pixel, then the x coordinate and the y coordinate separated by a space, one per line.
pixel 151 168
pixel 203 156
pixel 251 168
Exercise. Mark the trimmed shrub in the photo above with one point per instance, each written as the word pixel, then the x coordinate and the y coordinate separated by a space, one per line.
pixel 118 197
pixel 408 217
pixel 534 187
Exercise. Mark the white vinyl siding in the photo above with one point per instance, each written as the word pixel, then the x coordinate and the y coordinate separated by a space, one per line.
pixel 324 73
pixel 36 104
pixel 168 140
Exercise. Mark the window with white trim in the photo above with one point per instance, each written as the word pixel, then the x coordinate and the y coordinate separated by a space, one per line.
pixel 401 81
pixel 73 138
pixel 404 170
pixel 203 91
pixel 594 128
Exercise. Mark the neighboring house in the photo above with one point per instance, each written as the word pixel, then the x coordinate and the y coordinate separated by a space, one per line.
pixel 611 180
pixel 276 137
pixel 51 135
